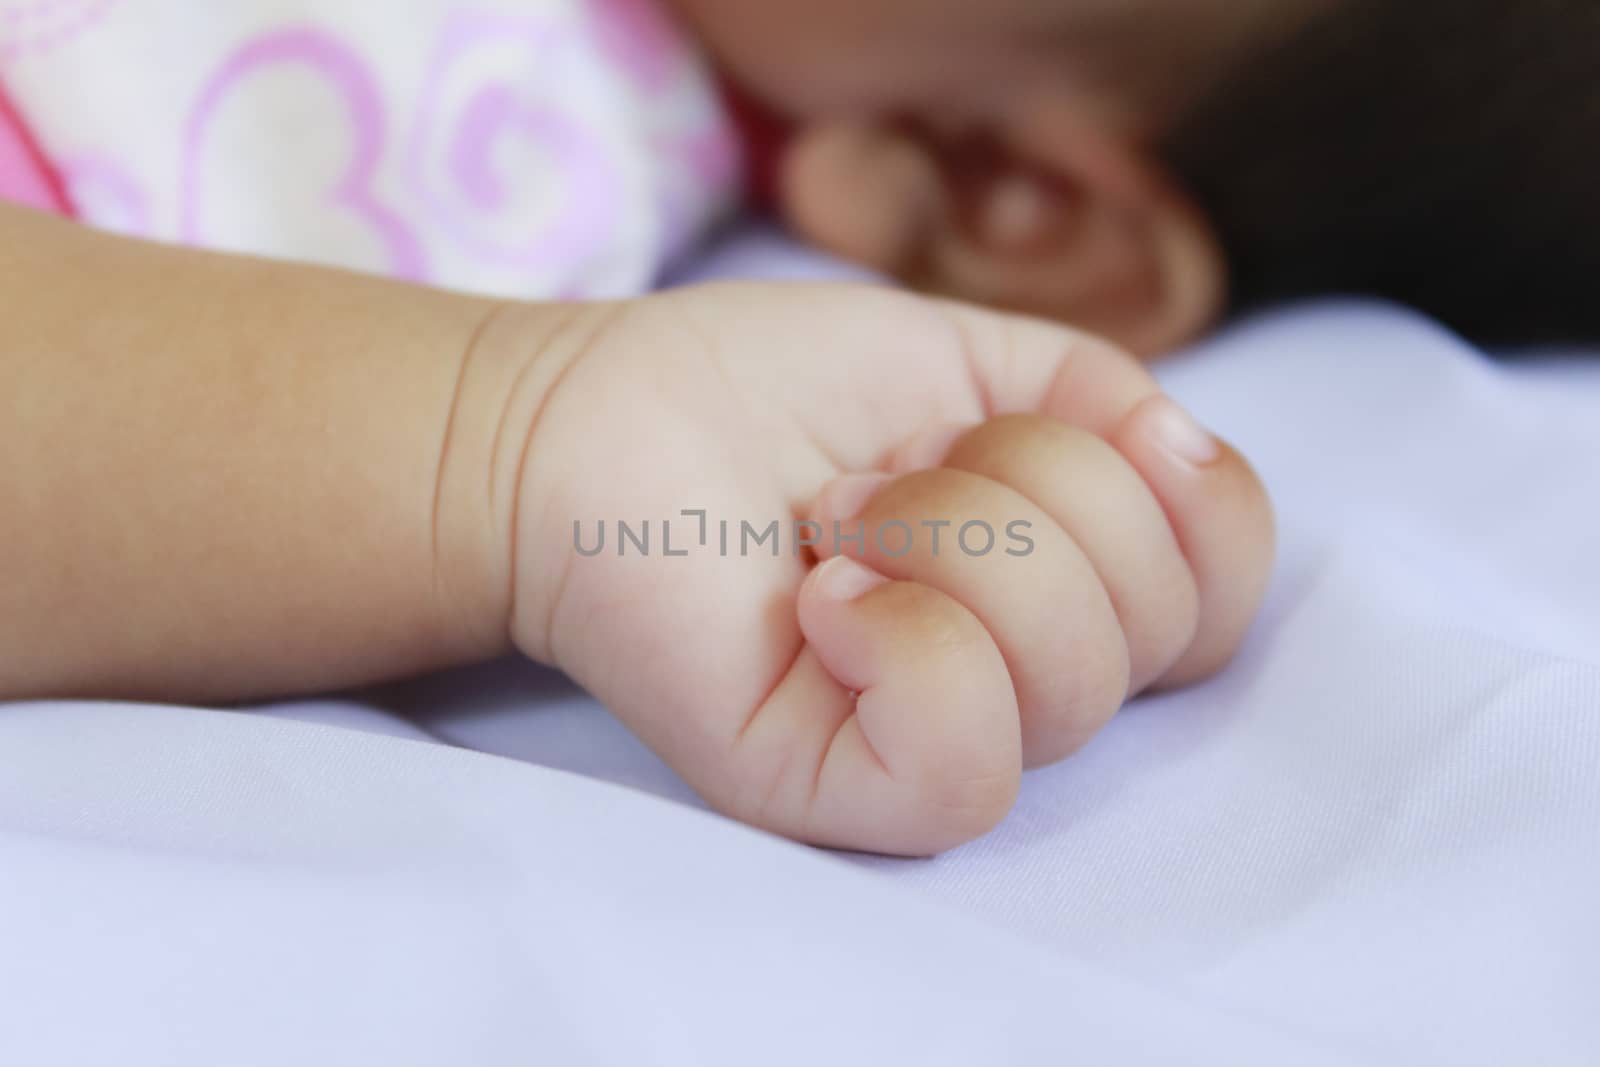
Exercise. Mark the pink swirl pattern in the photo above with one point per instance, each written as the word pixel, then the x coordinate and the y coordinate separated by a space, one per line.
pixel 467 210
pixel 344 71
pixel 36 27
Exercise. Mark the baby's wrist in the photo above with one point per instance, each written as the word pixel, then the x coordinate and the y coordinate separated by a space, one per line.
pixel 509 369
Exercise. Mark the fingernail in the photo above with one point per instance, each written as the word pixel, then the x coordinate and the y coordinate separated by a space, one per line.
pixel 929 448
pixel 1176 431
pixel 843 579
pixel 847 497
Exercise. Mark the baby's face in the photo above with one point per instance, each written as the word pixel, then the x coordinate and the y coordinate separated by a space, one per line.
pixel 943 61
pixel 996 150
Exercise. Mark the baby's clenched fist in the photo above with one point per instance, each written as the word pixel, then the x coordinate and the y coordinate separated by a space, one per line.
pixel 959 542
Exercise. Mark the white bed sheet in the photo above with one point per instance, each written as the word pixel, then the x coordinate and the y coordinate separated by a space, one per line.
pixel 1375 839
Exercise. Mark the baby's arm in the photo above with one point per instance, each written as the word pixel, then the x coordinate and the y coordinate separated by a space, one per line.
pixel 220 475
pixel 226 478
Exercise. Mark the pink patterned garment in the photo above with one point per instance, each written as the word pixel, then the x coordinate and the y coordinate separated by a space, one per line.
pixel 532 148
pixel 25 178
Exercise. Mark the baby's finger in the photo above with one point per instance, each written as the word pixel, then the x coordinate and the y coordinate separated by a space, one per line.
pixel 1011 565
pixel 1095 495
pixel 1221 516
pixel 896 729
pixel 1215 504
pixel 1028 365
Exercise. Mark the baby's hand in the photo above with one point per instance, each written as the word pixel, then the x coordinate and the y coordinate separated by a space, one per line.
pixel 1018 531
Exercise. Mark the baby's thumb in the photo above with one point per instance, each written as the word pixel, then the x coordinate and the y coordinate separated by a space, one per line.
pixel 931 755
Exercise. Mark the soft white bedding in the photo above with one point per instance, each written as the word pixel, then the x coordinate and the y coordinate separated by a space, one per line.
pixel 1375 839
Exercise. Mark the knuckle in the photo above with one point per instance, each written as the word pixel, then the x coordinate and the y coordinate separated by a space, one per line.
pixel 926 490
pixel 929 620
pixel 1033 448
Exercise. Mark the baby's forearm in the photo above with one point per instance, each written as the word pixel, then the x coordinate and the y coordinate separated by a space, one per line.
pixel 223 477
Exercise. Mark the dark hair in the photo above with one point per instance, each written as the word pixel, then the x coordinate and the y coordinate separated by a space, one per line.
pixel 1444 153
